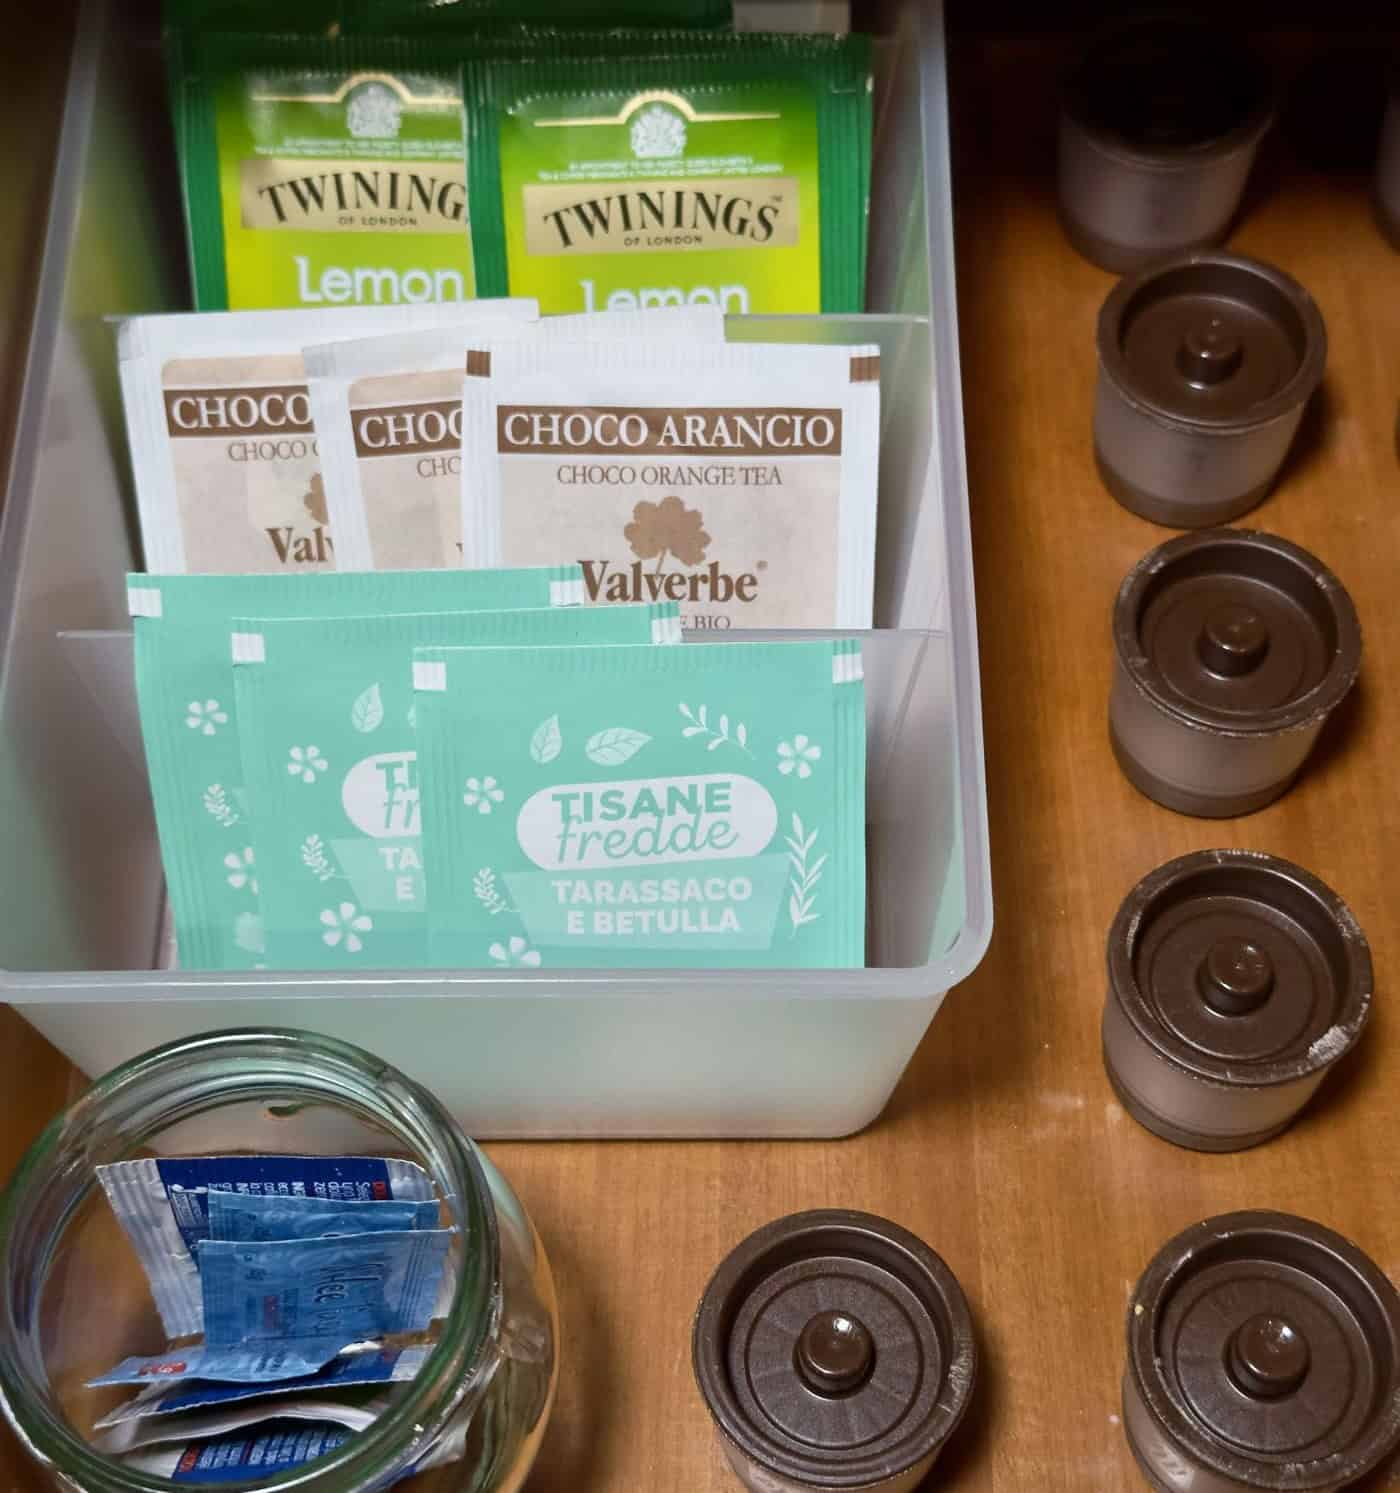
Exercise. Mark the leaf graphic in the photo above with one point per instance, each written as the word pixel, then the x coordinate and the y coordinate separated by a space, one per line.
pixel 611 748
pixel 413 717
pixel 547 742
pixel 717 742
pixel 367 713
pixel 742 734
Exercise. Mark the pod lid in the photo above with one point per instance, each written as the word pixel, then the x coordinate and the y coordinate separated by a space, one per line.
pixel 1215 342
pixel 1269 1348
pixel 1161 89
pixel 1237 632
pixel 1240 967
pixel 835 1349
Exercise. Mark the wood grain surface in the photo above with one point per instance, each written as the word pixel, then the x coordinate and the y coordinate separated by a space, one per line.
pixel 1003 1146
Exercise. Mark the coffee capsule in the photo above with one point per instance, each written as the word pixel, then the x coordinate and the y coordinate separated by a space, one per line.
pixel 1235 982
pixel 1388 165
pixel 834 1351
pixel 1160 121
pixel 1206 363
pixel 1232 649
pixel 1263 1354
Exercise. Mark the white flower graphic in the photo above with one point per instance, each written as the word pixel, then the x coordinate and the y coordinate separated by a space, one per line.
pixel 345 922
pixel 657 131
pixel 516 954
pixel 481 794
pixel 797 756
pixel 306 762
pixel 205 718
pixel 240 870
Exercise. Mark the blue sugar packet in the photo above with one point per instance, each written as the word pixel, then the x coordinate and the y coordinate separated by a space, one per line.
pixel 352 1288
pixel 240 1458
pixel 248 1217
pixel 288 1360
pixel 162 1203
pixel 355 1413
pixel 347 1371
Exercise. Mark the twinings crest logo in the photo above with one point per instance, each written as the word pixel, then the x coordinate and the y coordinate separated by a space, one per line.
pixel 657 132
pixel 374 113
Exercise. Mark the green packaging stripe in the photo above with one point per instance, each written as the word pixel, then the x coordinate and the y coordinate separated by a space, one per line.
pixel 326 715
pixel 456 16
pixel 774 130
pixel 658 808
pixel 184 687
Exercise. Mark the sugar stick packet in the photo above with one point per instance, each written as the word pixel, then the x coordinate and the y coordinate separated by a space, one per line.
pixel 245 1364
pixel 337 829
pixel 224 450
pixel 246 1217
pixel 738 480
pixel 184 686
pixel 696 807
pixel 162 1205
pixel 388 414
pixel 243 1457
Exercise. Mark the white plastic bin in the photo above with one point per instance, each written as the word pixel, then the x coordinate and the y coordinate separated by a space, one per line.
pixel 813 1053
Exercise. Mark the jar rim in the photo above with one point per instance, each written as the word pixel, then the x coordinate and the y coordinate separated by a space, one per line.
pixel 269 1058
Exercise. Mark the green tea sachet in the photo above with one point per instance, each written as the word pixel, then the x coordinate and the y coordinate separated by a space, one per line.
pixel 184 687
pixel 701 806
pixel 738 480
pixel 637 169
pixel 326 716
pixel 319 170
pixel 224 449
pixel 388 413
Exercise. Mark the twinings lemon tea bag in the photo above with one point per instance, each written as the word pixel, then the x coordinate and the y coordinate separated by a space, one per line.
pixel 189 719
pixel 224 448
pixel 685 807
pixel 320 170
pixel 388 413
pixel 737 480
pixel 646 169
pixel 336 828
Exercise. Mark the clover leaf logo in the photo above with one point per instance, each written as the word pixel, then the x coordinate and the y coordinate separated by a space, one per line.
pixel 667 528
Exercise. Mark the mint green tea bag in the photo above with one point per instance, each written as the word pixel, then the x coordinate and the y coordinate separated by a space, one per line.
pixel 326 716
pixel 649 169
pixel 697 807
pixel 184 687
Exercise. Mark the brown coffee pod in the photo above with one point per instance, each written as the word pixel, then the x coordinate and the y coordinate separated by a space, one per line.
pixel 834 1351
pixel 1263 1355
pixel 1388 164
pixel 1232 649
pixel 1160 122
pixel 1206 363
pixel 1235 982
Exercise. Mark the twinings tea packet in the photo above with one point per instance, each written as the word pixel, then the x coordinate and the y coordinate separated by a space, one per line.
pixel 184 687
pixel 737 480
pixel 388 414
pixel 224 450
pixel 320 170
pixel 326 714
pixel 654 168
pixel 685 807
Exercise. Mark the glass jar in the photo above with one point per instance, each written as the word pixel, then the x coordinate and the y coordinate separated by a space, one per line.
pixel 76 1301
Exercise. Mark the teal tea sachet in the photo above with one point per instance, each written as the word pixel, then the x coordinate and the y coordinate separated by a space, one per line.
pixel 184 686
pixel 326 714
pixel 700 806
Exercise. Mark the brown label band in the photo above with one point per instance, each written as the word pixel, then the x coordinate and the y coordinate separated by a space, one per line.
pixel 279 409
pixel 865 370
pixel 408 429
pixel 479 363
pixel 352 196
pixel 595 430
pixel 644 217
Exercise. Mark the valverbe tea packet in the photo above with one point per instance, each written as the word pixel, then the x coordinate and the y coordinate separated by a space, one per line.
pixel 653 168
pixel 224 448
pixel 388 413
pixel 184 687
pixel 327 715
pixel 737 480
pixel 685 807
